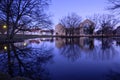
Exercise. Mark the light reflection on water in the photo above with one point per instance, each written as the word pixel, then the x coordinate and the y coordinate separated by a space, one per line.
pixel 62 59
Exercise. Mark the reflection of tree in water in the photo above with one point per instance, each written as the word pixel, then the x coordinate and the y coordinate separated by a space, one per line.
pixel 72 48
pixel 106 43
pixel 99 54
pixel 85 48
pixel 105 50
pixel 27 62
pixel 87 43
pixel 117 41
pixel 72 52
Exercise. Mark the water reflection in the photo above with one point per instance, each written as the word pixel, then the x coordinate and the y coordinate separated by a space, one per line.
pixel 17 59
pixel 88 48
pixel 117 41
pixel 72 59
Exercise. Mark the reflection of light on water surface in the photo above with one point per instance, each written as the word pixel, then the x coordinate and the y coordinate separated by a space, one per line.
pixel 24 43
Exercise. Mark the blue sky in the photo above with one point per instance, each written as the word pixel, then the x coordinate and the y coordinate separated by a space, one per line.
pixel 83 8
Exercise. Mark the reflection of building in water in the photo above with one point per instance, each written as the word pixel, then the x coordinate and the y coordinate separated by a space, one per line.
pixel 34 41
pixel 21 44
pixel 26 42
pixel 86 43
pixel 59 42
pixel 85 48
pixel 51 39
pixel 31 41
pixel 83 42
pixel 71 48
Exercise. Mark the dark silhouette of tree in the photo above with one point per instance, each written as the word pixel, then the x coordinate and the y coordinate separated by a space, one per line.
pixel 114 5
pixel 71 22
pixel 95 18
pixel 104 23
pixel 107 23
pixel 19 14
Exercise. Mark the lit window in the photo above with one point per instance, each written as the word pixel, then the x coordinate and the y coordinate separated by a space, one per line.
pixel 4 26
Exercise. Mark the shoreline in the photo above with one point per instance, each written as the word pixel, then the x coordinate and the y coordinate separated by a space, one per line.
pixel 23 37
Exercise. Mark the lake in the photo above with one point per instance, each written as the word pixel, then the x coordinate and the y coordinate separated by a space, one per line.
pixel 62 59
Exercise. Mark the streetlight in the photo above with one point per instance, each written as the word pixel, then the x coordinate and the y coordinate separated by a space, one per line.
pixel 5 47
pixel 4 26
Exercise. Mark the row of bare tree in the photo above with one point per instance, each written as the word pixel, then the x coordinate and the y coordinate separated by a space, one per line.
pixel 20 14
pixel 104 23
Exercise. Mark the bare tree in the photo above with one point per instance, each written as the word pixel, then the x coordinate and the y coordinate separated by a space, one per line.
pixel 20 13
pixel 71 22
pixel 105 22
pixel 94 18
pixel 114 5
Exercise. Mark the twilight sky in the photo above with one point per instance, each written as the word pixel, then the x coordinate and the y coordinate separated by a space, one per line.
pixel 83 8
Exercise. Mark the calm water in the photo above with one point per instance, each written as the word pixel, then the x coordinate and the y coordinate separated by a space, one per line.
pixel 62 59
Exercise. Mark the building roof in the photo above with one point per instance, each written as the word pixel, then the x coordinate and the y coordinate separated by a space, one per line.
pixel 87 21
pixel 59 25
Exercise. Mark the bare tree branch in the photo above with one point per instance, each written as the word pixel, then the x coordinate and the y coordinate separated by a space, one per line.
pixel 71 21
pixel 24 12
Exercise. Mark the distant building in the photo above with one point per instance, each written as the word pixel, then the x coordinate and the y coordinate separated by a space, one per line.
pixel 86 27
pixel 60 29
pixel 47 32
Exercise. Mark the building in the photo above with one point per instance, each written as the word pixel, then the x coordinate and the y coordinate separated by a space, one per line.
pixel 47 32
pixel 60 29
pixel 86 27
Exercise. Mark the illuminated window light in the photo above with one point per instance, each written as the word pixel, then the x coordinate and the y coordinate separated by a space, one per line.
pixel 5 47
pixel 4 26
